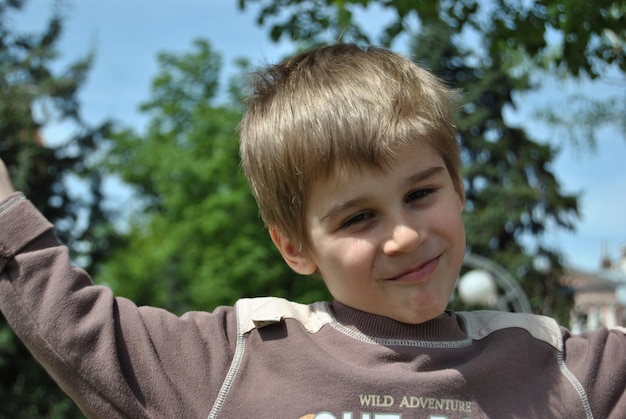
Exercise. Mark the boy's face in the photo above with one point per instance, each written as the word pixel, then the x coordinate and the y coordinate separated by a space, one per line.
pixel 386 242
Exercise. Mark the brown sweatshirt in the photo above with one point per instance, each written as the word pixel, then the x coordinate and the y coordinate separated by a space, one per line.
pixel 270 358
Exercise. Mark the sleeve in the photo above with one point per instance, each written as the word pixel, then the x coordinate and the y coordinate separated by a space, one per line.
pixel 112 358
pixel 598 360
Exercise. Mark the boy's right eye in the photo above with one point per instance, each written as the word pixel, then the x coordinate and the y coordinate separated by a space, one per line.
pixel 355 220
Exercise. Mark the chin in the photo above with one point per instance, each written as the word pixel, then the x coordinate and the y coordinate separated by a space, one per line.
pixel 423 311
pixel 419 317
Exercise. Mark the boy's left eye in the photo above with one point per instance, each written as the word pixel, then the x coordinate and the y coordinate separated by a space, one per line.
pixel 356 219
pixel 418 195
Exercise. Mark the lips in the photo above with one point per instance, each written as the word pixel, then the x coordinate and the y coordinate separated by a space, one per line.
pixel 418 274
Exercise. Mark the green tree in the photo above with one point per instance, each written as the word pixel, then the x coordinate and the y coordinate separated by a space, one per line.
pixel 32 96
pixel 196 240
pixel 590 34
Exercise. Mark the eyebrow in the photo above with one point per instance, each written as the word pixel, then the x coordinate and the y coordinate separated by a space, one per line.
pixel 417 177
pixel 426 174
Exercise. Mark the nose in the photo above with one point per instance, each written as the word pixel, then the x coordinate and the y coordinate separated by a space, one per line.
pixel 404 238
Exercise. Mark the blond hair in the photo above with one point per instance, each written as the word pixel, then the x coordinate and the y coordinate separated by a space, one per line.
pixel 332 107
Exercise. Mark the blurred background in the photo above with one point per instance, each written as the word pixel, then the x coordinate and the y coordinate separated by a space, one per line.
pixel 118 120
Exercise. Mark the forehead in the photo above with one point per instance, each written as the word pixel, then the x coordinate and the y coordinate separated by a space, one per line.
pixel 352 178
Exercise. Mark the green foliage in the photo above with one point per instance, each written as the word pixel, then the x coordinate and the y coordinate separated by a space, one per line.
pixel 592 33
pixel 26 391
pixel 580 125
pixel 33 96
pixel 197 241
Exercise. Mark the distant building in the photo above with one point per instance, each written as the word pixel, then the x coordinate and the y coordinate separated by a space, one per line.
pixel 600 296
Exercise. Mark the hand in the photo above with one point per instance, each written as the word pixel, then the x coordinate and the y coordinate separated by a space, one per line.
pixel 6 187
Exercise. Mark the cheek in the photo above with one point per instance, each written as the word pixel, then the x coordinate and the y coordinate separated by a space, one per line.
pixel 450 221
pixel 348 255
pixel 453 223
pixel 360 254
pixel 452 229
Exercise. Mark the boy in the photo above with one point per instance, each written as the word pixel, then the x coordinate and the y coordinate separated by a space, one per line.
pixel 352 158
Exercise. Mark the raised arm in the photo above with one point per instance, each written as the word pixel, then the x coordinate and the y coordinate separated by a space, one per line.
pixel 112 357
pixel 6 187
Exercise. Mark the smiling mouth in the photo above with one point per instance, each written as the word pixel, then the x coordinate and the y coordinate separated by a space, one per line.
pixel 418 274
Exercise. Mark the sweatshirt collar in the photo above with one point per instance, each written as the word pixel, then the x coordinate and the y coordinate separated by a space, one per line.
pixel 447 327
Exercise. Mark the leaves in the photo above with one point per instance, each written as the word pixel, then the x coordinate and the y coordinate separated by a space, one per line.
pixel 592 34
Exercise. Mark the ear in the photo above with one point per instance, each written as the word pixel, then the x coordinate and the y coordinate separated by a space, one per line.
pixel 293 255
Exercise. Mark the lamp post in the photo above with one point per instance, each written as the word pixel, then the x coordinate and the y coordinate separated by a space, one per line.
pixel 489 284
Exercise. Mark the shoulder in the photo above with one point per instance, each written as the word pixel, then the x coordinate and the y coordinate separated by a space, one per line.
pixel 619 330
pixel 481 324
pixel 254 313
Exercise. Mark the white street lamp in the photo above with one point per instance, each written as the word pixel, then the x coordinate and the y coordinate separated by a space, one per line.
pixel 489 284
pixel 477 287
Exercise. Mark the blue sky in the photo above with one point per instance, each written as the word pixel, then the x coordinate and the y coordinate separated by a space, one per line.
pixel 127 35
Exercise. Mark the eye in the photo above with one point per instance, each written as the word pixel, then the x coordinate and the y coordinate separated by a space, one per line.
pixel 418 195
pixel 356 219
